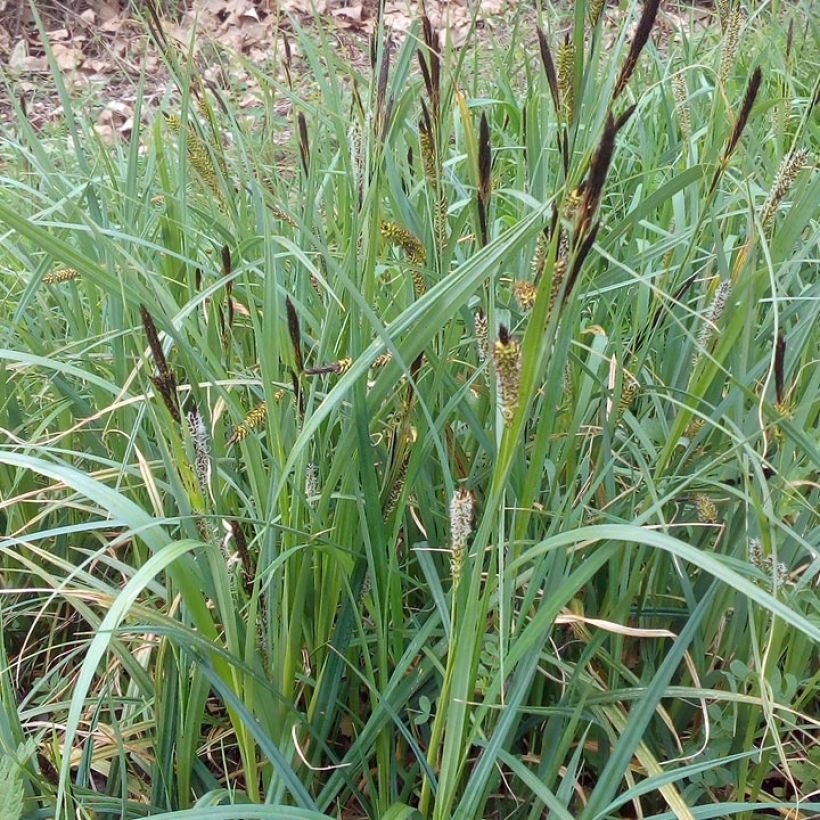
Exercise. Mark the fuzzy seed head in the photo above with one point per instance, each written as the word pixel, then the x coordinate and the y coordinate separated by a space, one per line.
pixel 312 489
pixel 706 509
pixel 406 240
pixel 254 419
pixel 461 528
pixel 482 336
pixel 755 551
pixel 539 259
pixel 730 43
pixel 594 11
pixel 202 449
pixel 710 326
pixel 681 93
pixel 787 173
pixel 62 275
pixel 507 360
pixel 628 396
pixel 566 78
pixel 525 293
pixel 693 428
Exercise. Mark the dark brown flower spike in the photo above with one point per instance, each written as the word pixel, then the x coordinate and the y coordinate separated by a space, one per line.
pixel 639 40
pixel 745 110
pixel 153 340
pixel 244 554
pixel 286 63
pixel 295 334
pixel 549 68
pixel 658 315
pixel 381 89
pixel 165 382
pixel 580 257
pixel 226 261
pixel 621 121
pixel 485 182
pixel 304 145
pixel 740 124
pixel 430 65
pixel 594 184
pixel 779 361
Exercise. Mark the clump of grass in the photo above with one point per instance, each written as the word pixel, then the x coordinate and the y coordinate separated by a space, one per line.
pixel 496 556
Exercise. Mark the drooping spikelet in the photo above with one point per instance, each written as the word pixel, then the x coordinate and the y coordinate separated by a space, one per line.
pixel 723 9
pixel 566 77
pixel 525 293
pixel 254 419
pixel 341 367
pixel 693 428
pixel 507 360
pixel 482 336
pixel 165 381
pixel 202 449
pixel 549 69
pixel 706 509
pixel 461 528
pixel 778 572
pixel 397 487
pixel 787 173
pixel 539 258
pixel 710 326
pixel 628 395
pixel 594 11
pixel 241 556
pixel 428 150
pixel 356 143
pixel 283 217
pixel 199 157
pixel 406 240
pixel 755 552
pixel 731 38
pixel 62 275
pixel 559 271
pixel 440 219
pixel 639 40
pixel 485 182
pixel 312 489
pixel 681 93
pixel 382 360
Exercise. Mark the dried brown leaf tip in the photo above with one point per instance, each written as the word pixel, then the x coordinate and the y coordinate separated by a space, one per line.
pixel 639 40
